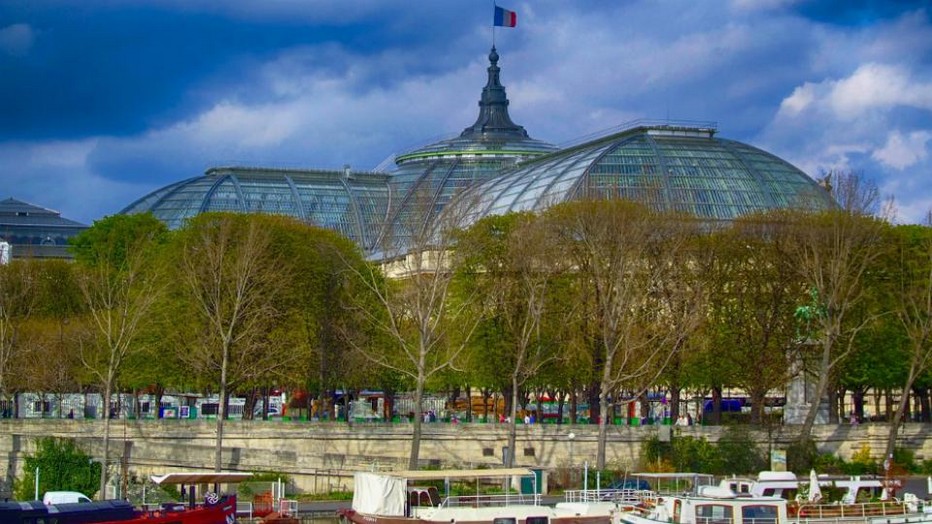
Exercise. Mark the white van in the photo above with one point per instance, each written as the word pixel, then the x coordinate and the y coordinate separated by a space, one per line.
pixel 63 497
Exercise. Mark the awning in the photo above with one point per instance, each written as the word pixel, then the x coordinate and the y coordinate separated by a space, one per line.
pixel 201 478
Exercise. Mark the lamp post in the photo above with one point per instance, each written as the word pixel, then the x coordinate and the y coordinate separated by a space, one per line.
pixel 572 438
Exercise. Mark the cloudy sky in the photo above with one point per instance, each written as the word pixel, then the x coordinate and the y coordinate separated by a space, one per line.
pixel 102 101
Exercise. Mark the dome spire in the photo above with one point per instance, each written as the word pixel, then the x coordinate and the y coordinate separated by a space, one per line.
pixel 494 121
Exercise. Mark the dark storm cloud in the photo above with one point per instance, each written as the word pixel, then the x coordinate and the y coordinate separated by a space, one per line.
pixel 856 12
pixel 97 69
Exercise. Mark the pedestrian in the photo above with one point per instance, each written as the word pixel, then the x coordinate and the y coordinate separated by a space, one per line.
pixel 853 418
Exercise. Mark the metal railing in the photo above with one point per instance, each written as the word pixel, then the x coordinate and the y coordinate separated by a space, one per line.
pixel 622 496
pixel 849 511
pixel 244 509
pixel 482 501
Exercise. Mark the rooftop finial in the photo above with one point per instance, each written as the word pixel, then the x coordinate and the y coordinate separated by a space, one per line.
pixel 494 121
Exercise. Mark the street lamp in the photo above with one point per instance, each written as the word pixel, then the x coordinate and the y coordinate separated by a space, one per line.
pixel 572 438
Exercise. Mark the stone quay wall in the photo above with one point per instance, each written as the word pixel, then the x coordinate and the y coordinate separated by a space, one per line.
pixel 322 457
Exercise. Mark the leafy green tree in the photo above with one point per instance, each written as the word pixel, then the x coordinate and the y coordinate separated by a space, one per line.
pixel 120 287
pixel 508 264
pixel 232 282
pixel 755 292
pixel 315 305
pixel 914 312
pixel 834 251
pixel 62 466
pixel 610 246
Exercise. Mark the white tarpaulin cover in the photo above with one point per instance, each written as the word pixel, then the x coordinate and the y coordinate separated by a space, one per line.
pixel 376 494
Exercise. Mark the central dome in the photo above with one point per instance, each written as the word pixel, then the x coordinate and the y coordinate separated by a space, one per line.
pixel 426 178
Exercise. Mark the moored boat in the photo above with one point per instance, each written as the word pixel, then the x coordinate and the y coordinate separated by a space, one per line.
pixel 213 509
pixel 389 498
pixel 721 505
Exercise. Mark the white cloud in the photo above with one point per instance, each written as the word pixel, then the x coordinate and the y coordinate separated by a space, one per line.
pixel 877 86
pixel 16 39
pixel 802 97
pixel 871 87
pixel 902 151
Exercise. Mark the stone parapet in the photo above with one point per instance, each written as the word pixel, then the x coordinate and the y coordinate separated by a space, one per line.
pixel 322 456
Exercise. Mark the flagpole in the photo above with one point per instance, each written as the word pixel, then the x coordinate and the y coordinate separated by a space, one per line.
pixel 494 6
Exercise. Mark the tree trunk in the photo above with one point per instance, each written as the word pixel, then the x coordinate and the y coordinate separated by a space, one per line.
pixel 857 398
pixel 889 404
pixel 418 420
pixel 486 394
pixel 595 403
pixel 108 387
pixel 833 406
pixel 897 418
pixel 895 422
pixel 221 409
pixel 757 405
pixel 513 425
pixel 674 402
pixel 574 405
pixel 603 428
pixel 716 414
pixel 925 409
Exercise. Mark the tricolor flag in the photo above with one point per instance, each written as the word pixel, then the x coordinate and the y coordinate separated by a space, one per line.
pixel 505 18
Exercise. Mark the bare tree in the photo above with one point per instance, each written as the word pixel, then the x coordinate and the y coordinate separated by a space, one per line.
pixel 914 311
pixel 233 281
pixel 834 250
pixel 608 244
pixel 415 310
pixel 120 287
pixel 508 262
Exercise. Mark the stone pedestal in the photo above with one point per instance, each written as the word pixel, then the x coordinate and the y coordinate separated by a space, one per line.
pixel 800 393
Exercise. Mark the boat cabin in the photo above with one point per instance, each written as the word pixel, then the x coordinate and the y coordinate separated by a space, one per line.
pixel 714 505
pixel 785 485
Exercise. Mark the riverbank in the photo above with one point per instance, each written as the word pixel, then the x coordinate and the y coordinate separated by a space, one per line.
pixel 321 457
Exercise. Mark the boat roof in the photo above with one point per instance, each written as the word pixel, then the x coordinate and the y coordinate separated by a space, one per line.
pixel 224 477
pixel 458 473
pixel 673 475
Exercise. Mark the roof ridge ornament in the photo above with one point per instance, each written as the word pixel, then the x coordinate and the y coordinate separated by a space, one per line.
pixel 494 121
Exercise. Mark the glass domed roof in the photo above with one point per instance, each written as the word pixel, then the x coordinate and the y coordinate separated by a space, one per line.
pixel 681 168
pixel 493 167
pixel 351 203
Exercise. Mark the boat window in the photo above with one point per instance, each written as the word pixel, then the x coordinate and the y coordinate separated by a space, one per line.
pixel 677 508
pixel 535 520
pixel 759 514
pixel 768 492
pixel 421 498
pixel 714 514
pixel 504 520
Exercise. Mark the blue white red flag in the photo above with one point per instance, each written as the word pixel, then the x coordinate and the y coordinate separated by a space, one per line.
pixel 505 18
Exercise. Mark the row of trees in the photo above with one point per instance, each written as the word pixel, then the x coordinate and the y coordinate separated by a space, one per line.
pixel 592 300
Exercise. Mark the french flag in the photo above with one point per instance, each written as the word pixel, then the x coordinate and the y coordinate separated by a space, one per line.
pixel 505 18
